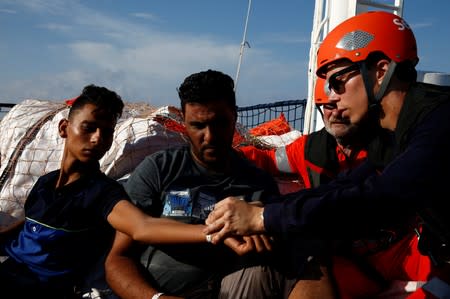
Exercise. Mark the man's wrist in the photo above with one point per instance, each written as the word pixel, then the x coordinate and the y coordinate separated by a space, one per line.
pixel 261 220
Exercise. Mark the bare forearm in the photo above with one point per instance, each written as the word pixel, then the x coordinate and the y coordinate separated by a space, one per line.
pixel 168 231
pixel 126 280
pixel 128 219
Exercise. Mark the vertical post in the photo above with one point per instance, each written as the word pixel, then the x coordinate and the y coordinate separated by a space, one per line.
pixel 243 44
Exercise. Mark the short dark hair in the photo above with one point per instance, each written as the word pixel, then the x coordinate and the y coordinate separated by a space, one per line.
pixel 105 99
pixel 205 87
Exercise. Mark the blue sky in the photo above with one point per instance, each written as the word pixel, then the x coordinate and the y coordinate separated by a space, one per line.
pixel 50 49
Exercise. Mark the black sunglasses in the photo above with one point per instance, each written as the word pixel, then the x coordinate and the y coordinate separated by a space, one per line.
pixel 334 83
pixel 329 106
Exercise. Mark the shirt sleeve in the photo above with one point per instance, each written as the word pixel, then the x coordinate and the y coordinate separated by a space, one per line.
pixel 113 193
pixel 144 184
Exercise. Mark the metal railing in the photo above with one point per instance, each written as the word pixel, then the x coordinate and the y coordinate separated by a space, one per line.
pixel 249 116
pixel 293 110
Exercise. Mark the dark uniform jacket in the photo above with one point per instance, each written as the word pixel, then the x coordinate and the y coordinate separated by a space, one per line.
pixel 417 178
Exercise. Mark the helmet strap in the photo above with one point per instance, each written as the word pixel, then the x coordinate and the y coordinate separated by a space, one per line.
pixel 386 79
pixel 375 99
pixel 368 84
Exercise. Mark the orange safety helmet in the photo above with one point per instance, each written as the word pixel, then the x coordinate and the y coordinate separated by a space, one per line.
pixel 368 32
pixel 320 94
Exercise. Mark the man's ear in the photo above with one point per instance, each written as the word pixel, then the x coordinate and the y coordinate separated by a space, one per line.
pixel 381 69
pixel 62 127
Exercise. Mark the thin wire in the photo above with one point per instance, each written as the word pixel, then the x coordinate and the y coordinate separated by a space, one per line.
pixel 243 43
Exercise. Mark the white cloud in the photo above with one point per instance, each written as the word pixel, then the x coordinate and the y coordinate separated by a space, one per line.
pixel 8 11
pixel 142 64
pixel 421 25
pixel 55 27
pixel 143 15
pixel 54 7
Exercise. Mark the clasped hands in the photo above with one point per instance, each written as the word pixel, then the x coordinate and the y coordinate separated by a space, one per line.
pixel 239 225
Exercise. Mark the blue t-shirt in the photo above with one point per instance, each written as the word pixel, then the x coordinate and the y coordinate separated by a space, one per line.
pixel 65 229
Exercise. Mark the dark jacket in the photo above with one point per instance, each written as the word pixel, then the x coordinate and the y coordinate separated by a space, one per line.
pixel 323 164
pixel 415 179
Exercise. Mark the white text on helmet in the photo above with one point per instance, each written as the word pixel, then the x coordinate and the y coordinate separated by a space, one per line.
pixel 401 24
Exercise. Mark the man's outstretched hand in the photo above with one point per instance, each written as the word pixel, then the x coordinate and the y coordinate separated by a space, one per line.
pixel 234 217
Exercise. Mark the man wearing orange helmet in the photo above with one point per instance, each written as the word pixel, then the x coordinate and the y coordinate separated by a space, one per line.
pixel 318 157
pixel 369 63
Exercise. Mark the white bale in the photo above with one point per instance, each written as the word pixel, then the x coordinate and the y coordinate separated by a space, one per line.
pixel 30 147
